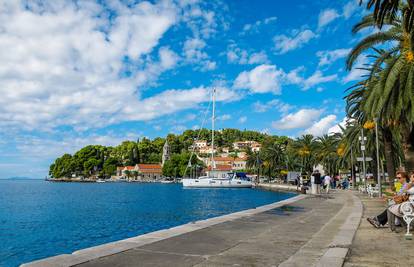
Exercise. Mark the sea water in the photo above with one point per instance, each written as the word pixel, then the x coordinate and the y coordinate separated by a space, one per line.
pixel 40 219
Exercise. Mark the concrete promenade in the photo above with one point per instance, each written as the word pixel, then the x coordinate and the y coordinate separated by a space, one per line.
pixel 305 231
pixel 378 247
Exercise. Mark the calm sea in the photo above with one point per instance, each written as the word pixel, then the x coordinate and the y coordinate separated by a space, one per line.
pixel 40 219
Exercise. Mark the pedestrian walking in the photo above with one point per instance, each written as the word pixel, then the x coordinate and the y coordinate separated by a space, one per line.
pixel 327 182
pixel 317 181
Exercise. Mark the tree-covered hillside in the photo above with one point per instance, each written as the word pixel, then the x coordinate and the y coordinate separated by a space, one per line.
pixel 102 161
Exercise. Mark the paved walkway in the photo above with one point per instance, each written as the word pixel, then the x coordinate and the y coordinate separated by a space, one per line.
pixel 378 247
pixel 302 231
pixel 295 235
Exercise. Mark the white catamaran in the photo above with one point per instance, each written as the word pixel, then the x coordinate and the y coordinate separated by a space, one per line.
pixel 213 177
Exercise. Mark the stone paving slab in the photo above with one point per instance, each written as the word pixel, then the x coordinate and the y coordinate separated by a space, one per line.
pixel 330 245
pixel 265 239
pixel 378 247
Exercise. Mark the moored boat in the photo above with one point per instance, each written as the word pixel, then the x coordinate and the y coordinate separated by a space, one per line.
pixel 231 180
pixel 214 178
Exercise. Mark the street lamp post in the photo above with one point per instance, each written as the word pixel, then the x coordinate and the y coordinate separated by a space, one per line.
pixel 352 169
pixel 378 159
pixel 364 170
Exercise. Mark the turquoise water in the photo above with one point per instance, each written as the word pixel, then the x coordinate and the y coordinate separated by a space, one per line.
pixel 40 219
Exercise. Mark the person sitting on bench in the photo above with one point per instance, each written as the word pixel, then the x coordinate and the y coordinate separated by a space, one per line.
pixel 382 218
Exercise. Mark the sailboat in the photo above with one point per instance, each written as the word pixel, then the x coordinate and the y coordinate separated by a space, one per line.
pixel 214 179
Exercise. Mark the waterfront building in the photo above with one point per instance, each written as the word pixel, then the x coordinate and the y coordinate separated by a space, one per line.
pixel 146 172
pixel 121 171
pixel 150 172
pixel 220 171
pixel 239 164
pixel 235 164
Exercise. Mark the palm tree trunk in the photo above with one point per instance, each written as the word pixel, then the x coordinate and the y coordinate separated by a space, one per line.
pixel 389 156
pixel 408 147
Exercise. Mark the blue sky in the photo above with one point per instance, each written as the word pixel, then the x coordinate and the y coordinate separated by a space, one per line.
pixel 76 72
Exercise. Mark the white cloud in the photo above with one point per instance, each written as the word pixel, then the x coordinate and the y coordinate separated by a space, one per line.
pixel 269 79
pixel 284 44
pixel 171 101
pixel 46 148
pixel 255 26
pixel 317 78
pixel 241 56
pixel 272 104
pixel 357 71
pixel 322 126
pixel 294 77
pixel 328 57
pixel 261 79
pixel 350 8
pixel 336 128
pixel 301 119
pixel 326 17
pixel 224 117
pixel 168 58
pixel 70 60
pixel 194 53
pixel 242 119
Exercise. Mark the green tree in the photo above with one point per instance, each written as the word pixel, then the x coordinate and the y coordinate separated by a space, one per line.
pixel 388 93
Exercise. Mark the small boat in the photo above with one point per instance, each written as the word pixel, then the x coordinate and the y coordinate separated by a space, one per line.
pixel 100 181
pixel 166 181
pixel 213 178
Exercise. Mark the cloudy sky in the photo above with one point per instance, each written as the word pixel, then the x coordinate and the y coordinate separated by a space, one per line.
pixel 74 73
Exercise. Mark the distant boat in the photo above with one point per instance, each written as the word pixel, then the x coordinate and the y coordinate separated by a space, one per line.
pixel 167 182
pixel 212 179
pixel 100 181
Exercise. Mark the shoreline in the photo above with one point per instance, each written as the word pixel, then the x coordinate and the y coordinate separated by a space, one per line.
pixel 107 249
pixel 72 180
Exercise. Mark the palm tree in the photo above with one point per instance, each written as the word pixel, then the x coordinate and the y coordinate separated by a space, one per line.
pixel 274 155
pixel 327 146
pixel 388 92
pixel 305 148
pixel 388 9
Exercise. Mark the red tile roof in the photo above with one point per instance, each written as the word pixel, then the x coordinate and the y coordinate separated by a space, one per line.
pixel 150 168
pixel 129 168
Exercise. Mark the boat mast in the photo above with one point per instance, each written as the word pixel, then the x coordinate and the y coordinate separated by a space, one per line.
pixel 213 164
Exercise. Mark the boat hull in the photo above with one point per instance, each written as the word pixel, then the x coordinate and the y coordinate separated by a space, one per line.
pixel 216 183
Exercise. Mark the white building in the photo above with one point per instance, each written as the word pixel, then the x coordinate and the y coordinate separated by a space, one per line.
pixel 253 145
pixel 200 144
